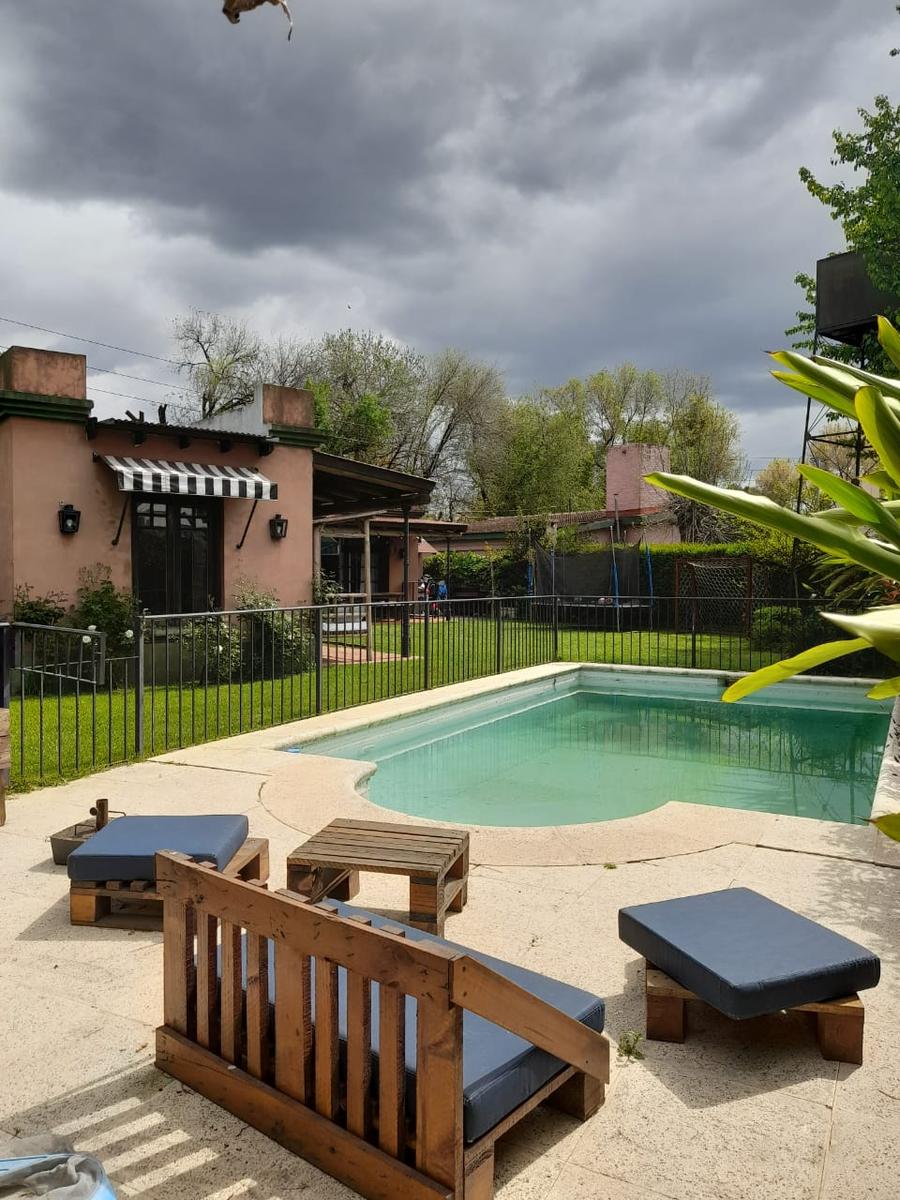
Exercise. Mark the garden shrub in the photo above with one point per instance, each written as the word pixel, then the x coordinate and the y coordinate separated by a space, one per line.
pixel 99 604
pixel 473 574
pixel 268 642
pixel 326 589
pixel 38 610
pixel 779 627
pixel 275 641
pixel 211 648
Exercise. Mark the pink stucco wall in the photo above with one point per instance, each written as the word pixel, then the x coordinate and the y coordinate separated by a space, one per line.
pixel 6 558
pixel 49 463
pixel 626 467
pixel 285 567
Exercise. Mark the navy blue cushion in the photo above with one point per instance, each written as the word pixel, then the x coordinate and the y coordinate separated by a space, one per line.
pixel 500 1070
pixel 125 848
pixel 746 955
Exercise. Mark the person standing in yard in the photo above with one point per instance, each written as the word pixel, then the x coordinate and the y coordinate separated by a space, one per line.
pixel 443 599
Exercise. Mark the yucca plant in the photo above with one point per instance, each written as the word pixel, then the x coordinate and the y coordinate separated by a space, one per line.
pixel 861 531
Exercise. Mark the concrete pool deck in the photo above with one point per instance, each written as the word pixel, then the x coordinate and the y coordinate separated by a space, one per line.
pixel 737 1111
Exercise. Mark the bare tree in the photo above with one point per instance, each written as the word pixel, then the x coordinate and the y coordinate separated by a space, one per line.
pixel 221 359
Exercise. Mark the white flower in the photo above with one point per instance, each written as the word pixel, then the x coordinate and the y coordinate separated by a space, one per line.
pixel 92 628
pixel 129 633
pixel 87 639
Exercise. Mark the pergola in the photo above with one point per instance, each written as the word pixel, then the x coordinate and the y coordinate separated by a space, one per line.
pixel 377 500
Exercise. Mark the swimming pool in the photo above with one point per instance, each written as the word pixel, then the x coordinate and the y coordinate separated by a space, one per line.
pixel 596 746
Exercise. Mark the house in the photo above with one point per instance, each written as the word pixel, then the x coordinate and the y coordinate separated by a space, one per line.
pixel 181 514
pixel 635 510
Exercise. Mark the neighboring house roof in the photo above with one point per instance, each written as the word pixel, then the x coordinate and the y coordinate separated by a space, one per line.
pixel 595 516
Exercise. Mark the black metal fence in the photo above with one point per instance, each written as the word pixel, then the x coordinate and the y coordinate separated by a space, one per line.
pixel 76 703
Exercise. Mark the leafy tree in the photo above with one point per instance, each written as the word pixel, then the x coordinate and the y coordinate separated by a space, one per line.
pixel 376 399
pixel 670 408
pixel 868 212
pixel 540 461
pixel 778 481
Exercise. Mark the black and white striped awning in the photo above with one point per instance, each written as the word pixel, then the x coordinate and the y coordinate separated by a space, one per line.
pixel 189 479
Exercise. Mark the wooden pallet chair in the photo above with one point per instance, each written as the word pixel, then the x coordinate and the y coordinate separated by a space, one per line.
pixel 259 987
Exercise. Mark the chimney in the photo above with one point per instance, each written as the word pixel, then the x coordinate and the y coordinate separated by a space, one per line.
pixel 43 373
pixel 626 467
pixel 287 406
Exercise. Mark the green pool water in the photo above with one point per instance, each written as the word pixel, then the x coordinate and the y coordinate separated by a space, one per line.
pixel 589 755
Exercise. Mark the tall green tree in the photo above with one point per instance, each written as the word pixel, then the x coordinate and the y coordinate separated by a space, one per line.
pixel 377 399
pixel 868 212
pixel 541 460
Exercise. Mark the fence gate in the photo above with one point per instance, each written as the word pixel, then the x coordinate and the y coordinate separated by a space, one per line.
pixel 70 705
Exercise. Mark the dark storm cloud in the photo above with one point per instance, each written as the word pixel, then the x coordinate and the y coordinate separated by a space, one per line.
pixel 556 187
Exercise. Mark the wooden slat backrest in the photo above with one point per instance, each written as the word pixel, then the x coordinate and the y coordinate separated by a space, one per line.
pixel 207 981
pixel 293 1024
pixel 257 1005
pixel 225 1006
pixel 418 968
pixel 359 1048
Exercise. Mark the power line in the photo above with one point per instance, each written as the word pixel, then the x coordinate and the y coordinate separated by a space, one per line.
pixel 121 375
pixel 74 337
pixel 139 379
pixel 123 395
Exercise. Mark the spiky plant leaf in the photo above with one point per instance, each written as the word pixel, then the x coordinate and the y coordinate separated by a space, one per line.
pixel 780 671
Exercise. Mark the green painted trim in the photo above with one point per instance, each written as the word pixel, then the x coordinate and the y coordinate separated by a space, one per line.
pixel 44 408
pixel 294 435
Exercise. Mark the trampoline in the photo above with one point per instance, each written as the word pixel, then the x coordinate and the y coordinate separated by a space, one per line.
pixel 601 589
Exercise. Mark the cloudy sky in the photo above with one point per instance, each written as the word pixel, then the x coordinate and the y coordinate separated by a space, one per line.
pixel 554 187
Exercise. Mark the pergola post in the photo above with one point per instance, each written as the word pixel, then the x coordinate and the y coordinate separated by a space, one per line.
pixel 316 557
pixel 404 620
pixel 367 585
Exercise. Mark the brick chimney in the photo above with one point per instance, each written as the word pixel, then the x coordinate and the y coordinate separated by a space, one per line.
pixel 626 467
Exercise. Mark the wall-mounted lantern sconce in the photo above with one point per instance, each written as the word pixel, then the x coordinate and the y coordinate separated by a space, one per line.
pixel 69 518
pixel 278 527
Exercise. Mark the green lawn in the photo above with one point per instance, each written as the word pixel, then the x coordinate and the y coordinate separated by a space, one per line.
pixel 99 731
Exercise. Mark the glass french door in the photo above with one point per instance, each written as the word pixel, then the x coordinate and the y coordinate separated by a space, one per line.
pixel 177 553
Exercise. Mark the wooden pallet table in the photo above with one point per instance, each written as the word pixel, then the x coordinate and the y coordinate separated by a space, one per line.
pixel 435 859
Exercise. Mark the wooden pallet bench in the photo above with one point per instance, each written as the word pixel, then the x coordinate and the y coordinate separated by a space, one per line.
pixel 435 859
pixel 138 902
pixel 748 956
pixel 839 1023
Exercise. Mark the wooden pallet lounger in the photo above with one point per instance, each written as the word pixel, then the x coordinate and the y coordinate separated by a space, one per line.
pixel 340 1034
